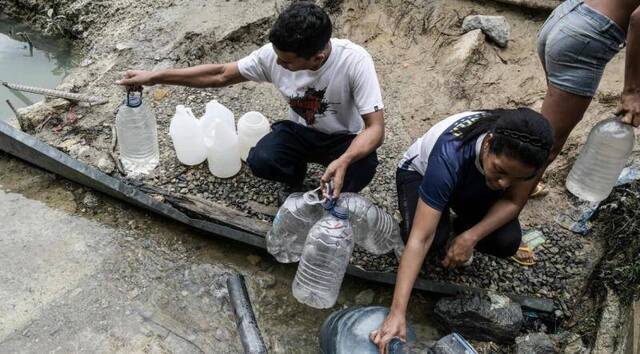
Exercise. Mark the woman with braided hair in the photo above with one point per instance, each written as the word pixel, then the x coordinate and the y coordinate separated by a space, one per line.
pixel 468 163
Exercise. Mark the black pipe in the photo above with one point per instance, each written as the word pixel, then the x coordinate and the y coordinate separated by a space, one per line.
pixel 245 319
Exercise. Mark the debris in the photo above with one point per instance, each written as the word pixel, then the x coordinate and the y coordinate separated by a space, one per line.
pixel 254 260
pixel 465 48
pixel 14 122
pixel 496 27
pixel 485 317
pixel 93 157
pixel 36 116
pixel 159 94
pixel 535 343
pixel 90 200
pixel 365 297
pixel 452 344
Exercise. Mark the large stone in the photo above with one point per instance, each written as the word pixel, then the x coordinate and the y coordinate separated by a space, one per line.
pixel 496 27
pixel 485 317
pixel 465 49
pixel 535 343
pixel 32 116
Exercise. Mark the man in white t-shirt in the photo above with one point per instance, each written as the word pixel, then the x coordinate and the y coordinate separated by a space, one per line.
pixel 335 105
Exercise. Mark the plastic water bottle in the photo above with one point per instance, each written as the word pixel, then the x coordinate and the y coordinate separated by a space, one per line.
pixel 373 228
pixel 214 112
pixel 601 160
pixel 252 126
pixel 137 135
pixel 347 331
pixel 285 239
pixel 188 139
pixel 324 260
pixel 223 154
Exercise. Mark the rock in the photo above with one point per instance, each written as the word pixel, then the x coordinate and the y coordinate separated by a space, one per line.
pixel 535 343
pixel 496 27
pixel 574 344
pixel 365 297
pixel 92 157
pixel 485 317
pixel 32 116
pixel 465 48
pixel 90 200
pixel 264 280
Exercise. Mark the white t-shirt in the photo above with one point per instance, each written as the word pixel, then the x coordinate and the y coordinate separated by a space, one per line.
pixel 331 99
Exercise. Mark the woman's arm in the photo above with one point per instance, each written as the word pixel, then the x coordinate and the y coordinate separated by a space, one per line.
pixel 630 107
pixel 504 210
pixel 422 233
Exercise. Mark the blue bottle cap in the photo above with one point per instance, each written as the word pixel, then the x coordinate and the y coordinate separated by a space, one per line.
pixel 132 100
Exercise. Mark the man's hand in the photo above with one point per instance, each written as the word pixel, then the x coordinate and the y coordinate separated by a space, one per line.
pixel 137 78
pixel 335 172
pixel 630 108
pixel 460 251
pixel 395 325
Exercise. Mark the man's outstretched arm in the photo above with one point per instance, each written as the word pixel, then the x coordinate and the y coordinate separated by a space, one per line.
pixel 206 75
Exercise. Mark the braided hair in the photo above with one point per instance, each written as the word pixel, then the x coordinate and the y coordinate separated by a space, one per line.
pixel 521 133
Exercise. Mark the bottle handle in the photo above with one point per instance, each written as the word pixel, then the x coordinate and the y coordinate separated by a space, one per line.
pixel 311 197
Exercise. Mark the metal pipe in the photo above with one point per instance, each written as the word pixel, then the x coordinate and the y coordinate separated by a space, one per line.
pixel 245 319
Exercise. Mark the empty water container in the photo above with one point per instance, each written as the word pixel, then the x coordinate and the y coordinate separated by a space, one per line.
pixel 601 160
pixel 188 139
pixel 285 239
pixel 347 331
pixel 324 260
pixel 223 156
pixel 214 112
pixel 137 135
pixel 373 228
pixel 252 126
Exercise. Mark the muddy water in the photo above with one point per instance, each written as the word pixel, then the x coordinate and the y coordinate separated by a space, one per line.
pixel 82 272
pixel 44 64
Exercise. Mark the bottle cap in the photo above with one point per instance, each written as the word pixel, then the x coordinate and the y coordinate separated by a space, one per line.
pixel 133 100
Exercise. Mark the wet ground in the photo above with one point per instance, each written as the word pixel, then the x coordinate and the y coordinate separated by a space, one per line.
pixel 84 273
pixel 44 64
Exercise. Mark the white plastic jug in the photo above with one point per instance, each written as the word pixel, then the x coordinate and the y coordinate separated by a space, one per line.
pixel 187 136
pixel 214 112
pixel 252 126
pixel 223 154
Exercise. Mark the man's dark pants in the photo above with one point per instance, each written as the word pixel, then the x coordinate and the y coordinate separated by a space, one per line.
pixel 283 155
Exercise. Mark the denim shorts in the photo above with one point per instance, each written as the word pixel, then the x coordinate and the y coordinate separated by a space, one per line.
pixel 575 44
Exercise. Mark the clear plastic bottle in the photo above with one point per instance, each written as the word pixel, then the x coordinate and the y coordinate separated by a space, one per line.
pixel 324 260
pixel 373 228
pixel 291 225
pixel 137 136
pixel 601 160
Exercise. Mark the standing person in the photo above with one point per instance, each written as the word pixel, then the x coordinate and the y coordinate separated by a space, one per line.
pixel 470 163
pixel 335 105
pixel 575 44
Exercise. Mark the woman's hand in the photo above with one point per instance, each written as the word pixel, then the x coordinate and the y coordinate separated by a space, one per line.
pixel 395 325
pixel 460 251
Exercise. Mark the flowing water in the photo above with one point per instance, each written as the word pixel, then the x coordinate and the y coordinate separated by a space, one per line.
pixel 44 63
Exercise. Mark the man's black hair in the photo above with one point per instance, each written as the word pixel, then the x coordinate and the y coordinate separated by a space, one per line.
pixel 303 28
pixel 521 133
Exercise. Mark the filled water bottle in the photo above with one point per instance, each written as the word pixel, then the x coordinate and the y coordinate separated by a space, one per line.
pixel 214 112
pixel 187 137
pixel 252 126
pixel 324 260
pixel 137 135
pixel 285 239
pixel 347 331
pixel 373 228
pixel 601 160
pixel 222 149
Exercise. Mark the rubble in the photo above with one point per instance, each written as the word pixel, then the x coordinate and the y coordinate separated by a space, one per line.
pixel 495 27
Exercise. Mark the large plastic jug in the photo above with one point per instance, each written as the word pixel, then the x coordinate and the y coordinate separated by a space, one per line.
pixel 187 136
pixel 601 160
pixel 347 331
pixel 214 112
pixel 373 228
pixel 285 239
pixel 137 135
pixel 324 260
pixel 252 126
pixel 223 154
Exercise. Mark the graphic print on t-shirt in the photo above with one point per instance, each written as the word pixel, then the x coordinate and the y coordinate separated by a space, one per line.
pixel 309 105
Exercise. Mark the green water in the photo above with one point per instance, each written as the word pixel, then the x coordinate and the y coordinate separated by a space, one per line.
pixel 43 65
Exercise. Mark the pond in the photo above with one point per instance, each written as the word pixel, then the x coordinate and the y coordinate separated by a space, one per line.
pixel 28 58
